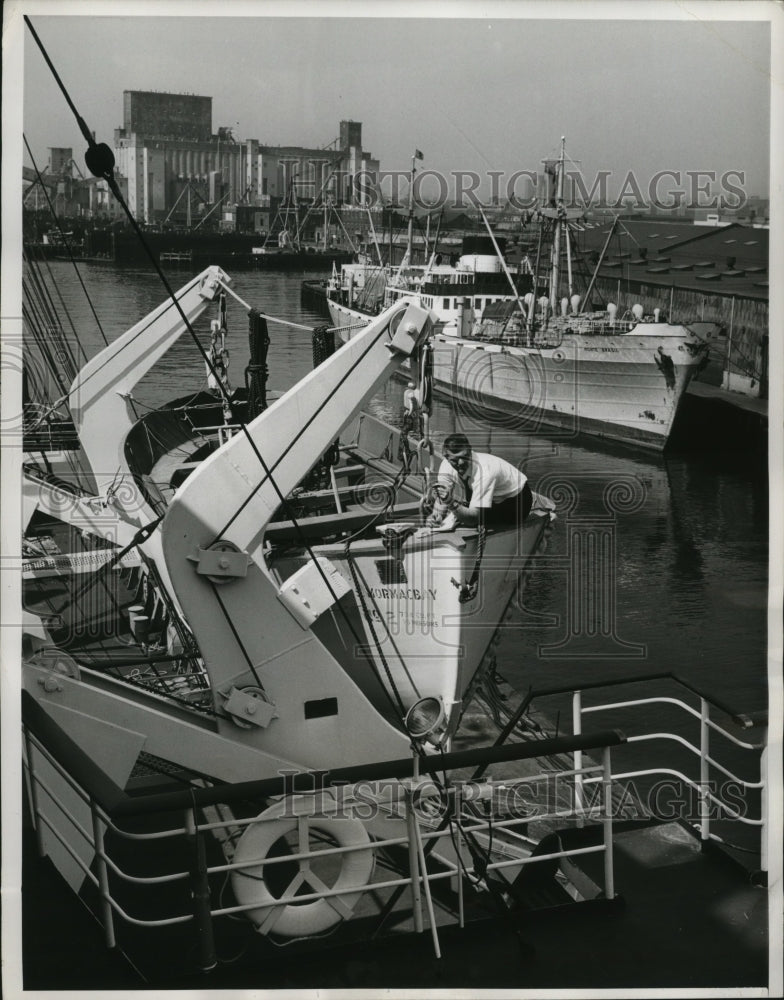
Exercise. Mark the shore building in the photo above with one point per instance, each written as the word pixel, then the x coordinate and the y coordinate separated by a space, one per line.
pixel 166 147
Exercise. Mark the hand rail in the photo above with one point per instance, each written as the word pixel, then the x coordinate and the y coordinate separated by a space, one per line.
pixel 106 801
pixel 116 803
pixel 702 751
pixel 744 720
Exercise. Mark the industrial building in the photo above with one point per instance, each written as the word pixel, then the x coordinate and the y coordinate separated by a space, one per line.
pixel 168 152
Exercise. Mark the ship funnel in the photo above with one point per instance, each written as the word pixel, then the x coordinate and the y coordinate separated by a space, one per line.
pixel 637 311
pixel 575 300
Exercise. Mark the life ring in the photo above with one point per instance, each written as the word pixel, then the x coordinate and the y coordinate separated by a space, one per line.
pixel 296 920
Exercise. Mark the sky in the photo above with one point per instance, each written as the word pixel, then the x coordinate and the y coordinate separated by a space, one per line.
pixel 474 93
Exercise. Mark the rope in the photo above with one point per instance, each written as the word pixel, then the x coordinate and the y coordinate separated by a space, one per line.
pixel 340 329
pixel 272 319
pixel 141 536
pixel 236 635
pixel 313 418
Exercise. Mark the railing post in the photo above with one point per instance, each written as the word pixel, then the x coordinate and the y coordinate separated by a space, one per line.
pixel 32 791
pixel 413 859
pixel 459 855
pixel 103 876
pixel 607 825
pixel 577 728
pixel 200 892
pixel 728 361
pixel 704 772
pixel 426 886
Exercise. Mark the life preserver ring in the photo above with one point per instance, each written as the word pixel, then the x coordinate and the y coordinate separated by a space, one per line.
pixel 294 920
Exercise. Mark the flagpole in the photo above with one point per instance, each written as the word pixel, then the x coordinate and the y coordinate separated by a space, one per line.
pixel 409 250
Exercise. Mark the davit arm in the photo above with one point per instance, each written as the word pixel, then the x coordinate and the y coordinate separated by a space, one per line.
pixel 99 397
pixel 229 499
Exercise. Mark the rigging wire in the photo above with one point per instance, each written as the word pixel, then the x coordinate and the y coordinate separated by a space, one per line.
pixel 144 329
pixel 62 233
pixel 312 419
pixel 100 161
pixel 46 327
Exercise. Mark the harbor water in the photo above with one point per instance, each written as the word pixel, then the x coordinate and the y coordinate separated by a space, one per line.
pixel 656 563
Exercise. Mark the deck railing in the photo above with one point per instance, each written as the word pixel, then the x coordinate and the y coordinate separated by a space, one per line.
pixel 703 749
pixel 57 770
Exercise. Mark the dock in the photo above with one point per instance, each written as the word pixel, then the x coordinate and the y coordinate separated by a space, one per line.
pixel 749 404
pixel 720 420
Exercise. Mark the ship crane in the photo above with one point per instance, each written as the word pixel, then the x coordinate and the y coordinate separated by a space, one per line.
pixel 259 655
pixel 101 395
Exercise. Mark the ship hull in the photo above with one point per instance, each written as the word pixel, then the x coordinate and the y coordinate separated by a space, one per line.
pixel 623 388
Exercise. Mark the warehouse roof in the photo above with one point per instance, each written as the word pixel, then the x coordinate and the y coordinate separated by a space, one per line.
pixel 730 259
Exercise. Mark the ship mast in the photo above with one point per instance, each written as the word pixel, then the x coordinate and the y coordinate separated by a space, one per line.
pixel 410 241
pixel 555 275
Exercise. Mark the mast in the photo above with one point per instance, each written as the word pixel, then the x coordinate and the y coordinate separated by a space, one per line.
pixel 375 238
pixel 532 310
pixel 296 215
pixel 556 262
pixel 409 243
pixel 409 250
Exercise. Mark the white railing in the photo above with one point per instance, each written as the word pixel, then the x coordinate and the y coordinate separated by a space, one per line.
pixel 708 765
pixel 64 809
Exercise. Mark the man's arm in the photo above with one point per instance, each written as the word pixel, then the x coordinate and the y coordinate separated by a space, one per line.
pixel 467 516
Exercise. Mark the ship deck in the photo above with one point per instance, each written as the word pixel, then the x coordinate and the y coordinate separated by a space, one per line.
pixel 683 918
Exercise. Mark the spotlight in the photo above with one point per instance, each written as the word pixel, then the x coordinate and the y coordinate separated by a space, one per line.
pixel 426 721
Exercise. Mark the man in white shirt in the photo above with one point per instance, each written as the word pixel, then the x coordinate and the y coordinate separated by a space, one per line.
pixel 485 489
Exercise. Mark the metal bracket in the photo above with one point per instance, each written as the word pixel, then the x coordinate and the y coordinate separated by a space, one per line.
pixel 410 330
pixel 249 707
pixel 221 562
pixel 210 285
